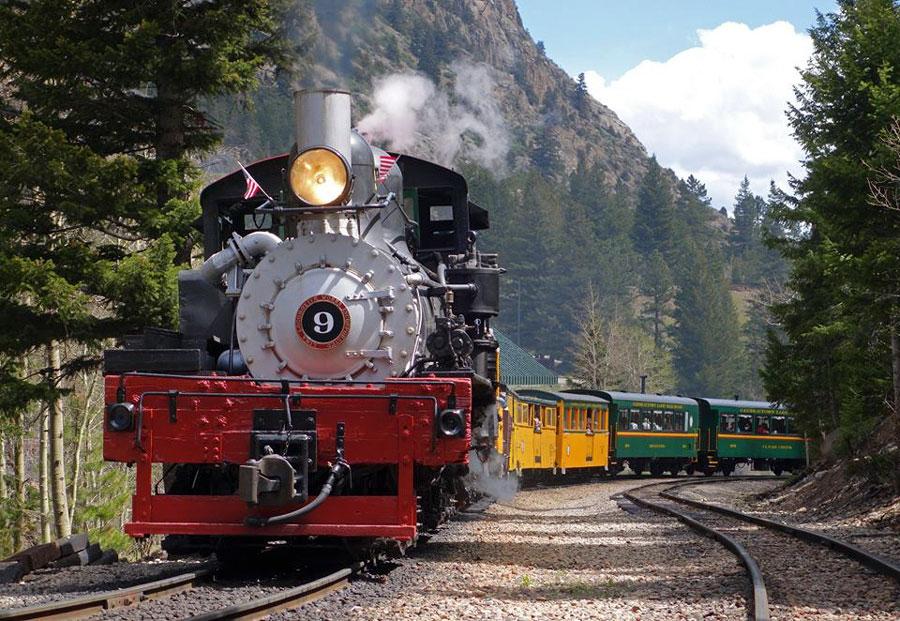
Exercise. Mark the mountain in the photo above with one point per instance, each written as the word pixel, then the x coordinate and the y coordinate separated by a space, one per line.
pixel 357 43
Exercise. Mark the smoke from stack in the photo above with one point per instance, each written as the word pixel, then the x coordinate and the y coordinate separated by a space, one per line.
pixel 411 114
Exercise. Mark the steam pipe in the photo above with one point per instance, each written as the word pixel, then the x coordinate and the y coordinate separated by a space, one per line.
pixel 238 252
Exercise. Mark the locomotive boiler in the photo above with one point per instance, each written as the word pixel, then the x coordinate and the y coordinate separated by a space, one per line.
pixel 334 364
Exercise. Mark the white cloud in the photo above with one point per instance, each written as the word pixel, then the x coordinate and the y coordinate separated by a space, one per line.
pixel 718 110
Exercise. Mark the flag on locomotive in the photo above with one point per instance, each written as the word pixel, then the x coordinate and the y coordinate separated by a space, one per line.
pixel 334 363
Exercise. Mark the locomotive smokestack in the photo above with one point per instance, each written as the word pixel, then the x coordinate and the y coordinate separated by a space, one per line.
pixel 322 119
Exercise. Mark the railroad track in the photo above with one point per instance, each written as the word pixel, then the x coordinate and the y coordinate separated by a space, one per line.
pixel 284 600
pixel 258 608
pixel 95 603
pixel 772 552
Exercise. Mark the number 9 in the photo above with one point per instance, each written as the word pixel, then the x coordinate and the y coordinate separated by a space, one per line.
pixel 324 322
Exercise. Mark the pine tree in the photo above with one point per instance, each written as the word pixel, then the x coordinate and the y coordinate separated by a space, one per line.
pixel 545 151
pixel 657 285
pixel 582 98
pixel 834 365
pixel 654 216
pixel 698 190
pixel 707 337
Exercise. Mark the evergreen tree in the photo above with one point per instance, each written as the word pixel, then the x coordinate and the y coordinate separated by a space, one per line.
pixel 581 93
pixel 545 151
pixel 707 337
pixel 658 287
pixel 698 190
pixel 654 217
pixel 834 366
pixel 746 216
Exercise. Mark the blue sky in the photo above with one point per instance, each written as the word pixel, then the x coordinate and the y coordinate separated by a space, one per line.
pixel 611 36
pixel 703 84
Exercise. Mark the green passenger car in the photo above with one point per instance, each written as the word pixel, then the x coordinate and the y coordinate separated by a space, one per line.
pixel 655 432
pixel 757 432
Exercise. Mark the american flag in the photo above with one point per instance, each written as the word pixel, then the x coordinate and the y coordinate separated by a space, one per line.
pixel 253 188
pixel 385 163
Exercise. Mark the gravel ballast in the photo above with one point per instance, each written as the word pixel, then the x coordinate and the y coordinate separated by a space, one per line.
pixel 50 585
pixel 554 553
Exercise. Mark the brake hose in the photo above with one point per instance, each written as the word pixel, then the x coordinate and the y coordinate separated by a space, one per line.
pixel 338 470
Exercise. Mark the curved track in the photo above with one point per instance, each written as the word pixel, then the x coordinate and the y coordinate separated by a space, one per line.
pixel 284 600
pixel 88 605
pixel 779 550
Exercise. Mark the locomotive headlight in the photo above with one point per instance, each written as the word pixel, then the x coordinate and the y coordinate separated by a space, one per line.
pixel 320 177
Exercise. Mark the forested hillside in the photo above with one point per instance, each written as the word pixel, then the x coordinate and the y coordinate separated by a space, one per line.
pixel 579 210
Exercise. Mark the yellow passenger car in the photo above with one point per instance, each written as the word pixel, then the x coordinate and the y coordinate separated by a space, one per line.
pixel 555 433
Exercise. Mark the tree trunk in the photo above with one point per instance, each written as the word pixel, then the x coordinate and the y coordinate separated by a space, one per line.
pixel 90 382
pixel 57 447
pixel 44 478
pixel 19 479
pixel 4 492
pixel 895 366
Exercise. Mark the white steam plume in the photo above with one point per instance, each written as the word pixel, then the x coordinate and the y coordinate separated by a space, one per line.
pixel 413 115
pixel 487 477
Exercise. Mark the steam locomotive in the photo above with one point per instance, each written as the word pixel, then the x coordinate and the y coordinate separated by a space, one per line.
pixel 334 366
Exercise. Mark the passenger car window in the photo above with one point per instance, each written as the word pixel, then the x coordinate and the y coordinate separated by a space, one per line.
pixel 779 424
pixel 726 423
pixel 745 423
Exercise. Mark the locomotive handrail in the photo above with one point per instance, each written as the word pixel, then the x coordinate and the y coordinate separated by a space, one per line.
pixel 173 395
pixel 277 209
pixel 282 381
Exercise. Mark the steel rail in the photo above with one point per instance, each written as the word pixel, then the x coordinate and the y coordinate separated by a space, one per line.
pixel 285 600
pixel 88 605
pixel 878 563
pixel 759 611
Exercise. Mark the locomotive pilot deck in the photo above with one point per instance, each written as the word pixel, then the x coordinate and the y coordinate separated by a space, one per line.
pixel 387 429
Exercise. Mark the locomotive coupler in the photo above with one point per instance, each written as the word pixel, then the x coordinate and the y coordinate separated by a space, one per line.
pixel 339 469
pixel 272 480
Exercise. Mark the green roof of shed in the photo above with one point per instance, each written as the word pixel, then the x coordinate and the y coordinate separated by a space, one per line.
pixel 519 368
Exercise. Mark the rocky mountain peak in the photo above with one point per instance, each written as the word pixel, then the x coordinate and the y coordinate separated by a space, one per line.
pixel 549 124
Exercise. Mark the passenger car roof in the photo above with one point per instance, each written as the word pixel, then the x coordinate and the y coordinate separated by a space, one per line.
pixel 731 403
pixel 563 396
pixel 613 395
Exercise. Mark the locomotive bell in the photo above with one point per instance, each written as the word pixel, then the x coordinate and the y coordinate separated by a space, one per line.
pixel 319 173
